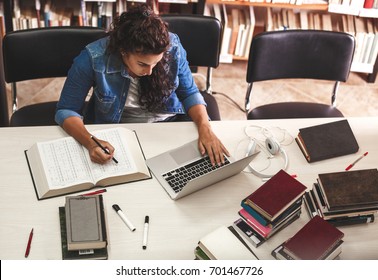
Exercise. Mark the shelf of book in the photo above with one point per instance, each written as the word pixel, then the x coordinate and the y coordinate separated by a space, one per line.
pixel 269 16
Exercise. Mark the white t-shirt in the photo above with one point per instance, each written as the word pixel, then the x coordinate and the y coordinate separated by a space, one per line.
pixel 133 112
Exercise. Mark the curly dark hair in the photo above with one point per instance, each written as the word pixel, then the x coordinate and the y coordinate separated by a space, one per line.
pixel 140 30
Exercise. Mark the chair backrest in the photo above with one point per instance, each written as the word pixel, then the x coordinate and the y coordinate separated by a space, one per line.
pixel 44 52
pixel 301 54
pixel 200 35
pixel 313 54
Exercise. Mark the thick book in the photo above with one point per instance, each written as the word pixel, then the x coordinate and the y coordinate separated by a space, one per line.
pixel 87 254
pixel 280 254
pixel 356 189
pixel 327 141
pixel 85 222
pixel 273 197
pixel 63 166
pixel 314 241
pixel 223 244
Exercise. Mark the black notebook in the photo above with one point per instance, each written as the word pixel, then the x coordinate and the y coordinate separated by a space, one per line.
pixel 327 141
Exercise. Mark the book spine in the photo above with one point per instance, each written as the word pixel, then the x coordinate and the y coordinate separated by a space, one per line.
pixel 346 221
pixel 254 214
pixel 103 219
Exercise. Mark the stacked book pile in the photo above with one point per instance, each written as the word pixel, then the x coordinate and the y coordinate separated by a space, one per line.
pixel 316 240
pixel 272 207
pixel 83 228
pixel 344 198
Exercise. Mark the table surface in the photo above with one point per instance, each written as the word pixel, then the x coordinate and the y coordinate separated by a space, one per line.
pixel 175 226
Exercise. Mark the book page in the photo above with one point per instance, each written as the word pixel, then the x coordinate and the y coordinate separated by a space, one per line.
pixel 123 154
pixel 64 162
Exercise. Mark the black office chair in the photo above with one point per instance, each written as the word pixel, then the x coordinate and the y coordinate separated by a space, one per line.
pixel 310 54
pixel 201 37
pixel 42 53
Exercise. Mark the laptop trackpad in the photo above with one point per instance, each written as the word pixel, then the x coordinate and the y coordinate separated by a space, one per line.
pixel 185 154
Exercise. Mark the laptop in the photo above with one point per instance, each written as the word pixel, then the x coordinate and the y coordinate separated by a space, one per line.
pixel 183 170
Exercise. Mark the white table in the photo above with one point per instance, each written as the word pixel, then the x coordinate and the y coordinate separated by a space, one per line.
pixel 175 226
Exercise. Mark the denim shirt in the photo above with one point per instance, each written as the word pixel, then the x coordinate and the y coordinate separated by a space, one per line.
pixel 93 67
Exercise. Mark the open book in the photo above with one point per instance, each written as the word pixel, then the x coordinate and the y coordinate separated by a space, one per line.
pixel 63 166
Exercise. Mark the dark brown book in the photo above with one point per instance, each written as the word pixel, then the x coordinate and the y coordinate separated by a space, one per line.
pixel 314 241
pixel 350 189
pixel 276 195
pixel 327 141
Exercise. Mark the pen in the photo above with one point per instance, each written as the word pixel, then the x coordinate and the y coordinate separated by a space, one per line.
pixel 357 160
pixel 29 243
pixel 145 232
pixel 123 217
pixel 106 151
pixel 95 192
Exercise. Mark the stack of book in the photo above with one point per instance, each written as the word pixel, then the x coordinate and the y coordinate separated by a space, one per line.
pixel 344 198
pixel 83 228
pixel 316 240
pixel 272 207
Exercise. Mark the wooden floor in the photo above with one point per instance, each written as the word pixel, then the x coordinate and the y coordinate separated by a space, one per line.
pixel 356 97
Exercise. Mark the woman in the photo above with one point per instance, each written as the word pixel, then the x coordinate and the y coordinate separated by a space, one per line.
pixel 139 73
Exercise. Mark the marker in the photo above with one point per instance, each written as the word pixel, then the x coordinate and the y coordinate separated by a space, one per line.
pixel 28 246
pixel 106 151
pixel 123 217
pixel 357 160
pixel 95 192
pixel 145 232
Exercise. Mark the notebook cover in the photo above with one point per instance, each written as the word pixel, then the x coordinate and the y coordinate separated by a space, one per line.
pixel 350 189
pixel 275 195
pixel 314 240
pixel 327 141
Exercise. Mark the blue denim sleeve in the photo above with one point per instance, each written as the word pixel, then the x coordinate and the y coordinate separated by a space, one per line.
pixel 187 90
pixel 76 87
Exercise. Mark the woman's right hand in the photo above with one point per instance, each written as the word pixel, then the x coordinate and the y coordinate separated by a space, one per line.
pixel 98 154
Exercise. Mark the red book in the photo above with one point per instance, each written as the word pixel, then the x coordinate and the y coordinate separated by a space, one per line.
pixel 314 241
pixel 276 195
pixel 368 4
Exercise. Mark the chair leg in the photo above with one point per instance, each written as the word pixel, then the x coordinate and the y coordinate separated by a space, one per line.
pixel 247 98
pixel 334 93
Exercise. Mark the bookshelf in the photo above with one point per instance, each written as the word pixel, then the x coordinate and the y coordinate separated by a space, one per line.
pixel 25 14
pixel 269 15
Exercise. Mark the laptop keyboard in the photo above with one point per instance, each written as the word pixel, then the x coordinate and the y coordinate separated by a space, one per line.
pixel 179 177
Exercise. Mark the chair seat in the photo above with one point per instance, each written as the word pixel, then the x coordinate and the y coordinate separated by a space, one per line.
pixel 35 115
pixel 291 110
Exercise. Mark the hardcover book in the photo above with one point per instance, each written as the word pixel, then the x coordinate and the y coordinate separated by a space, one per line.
pixel 87 254
pixel 327 141
pixel 350 189
pixel 314 241
pixel 276 195
pixel 63 166
pixel 85 222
